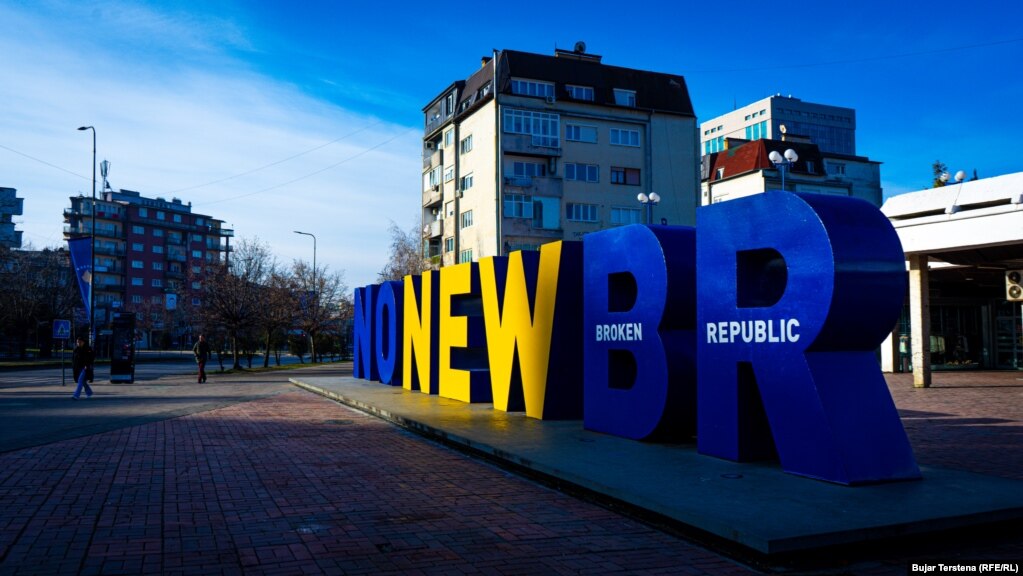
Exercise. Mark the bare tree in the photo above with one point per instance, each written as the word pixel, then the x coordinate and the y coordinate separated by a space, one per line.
pixel 277 311
pixel 321 300
pixel 406 254
pixel 35 288
pixel 231 296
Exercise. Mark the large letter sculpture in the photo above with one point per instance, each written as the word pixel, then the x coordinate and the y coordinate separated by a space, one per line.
pixel 639 321
pixel 419 333
pixel 364 357
pixel 789 318
pixel 533 310
pixel 463 372
pixel 387 329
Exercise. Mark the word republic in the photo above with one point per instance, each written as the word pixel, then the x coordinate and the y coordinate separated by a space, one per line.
pixel 755 331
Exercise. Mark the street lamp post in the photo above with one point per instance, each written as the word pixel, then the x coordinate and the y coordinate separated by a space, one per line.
pixel 92 262
pixel 649 201
pixel 783 164
pixel 316 299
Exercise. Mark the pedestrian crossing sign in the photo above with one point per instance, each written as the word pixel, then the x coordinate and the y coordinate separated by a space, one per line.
pixel 61 329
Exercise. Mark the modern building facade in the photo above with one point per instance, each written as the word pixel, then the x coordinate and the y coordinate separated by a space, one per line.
pixel 832 128
pixel 962 242
pixel 150 255
pixel 533 148
pixel 10 206
pixel 744 167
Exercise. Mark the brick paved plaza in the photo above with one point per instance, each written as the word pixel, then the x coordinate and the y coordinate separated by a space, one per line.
pixel 298 484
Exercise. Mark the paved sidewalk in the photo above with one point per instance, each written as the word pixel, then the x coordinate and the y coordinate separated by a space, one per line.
pixel 296 484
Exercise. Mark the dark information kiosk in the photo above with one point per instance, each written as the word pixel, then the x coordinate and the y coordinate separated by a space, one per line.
pixel 122 350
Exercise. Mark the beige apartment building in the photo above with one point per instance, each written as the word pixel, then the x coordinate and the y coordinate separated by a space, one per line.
pixel 532 148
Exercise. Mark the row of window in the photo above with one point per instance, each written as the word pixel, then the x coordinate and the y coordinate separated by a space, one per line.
pixel 159 233
pixel 539 89
pixel 159 300
pixel 161 215
pixel 158 283
pixel 525 206
pixel 756 114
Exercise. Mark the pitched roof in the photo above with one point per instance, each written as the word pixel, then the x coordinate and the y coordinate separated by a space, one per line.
pixel 753 156
pixel 654 90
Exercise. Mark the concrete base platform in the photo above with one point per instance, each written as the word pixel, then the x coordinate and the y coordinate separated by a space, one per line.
pixel 753 505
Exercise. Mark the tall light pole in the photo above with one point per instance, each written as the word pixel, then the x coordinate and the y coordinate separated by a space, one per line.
pixel 316 298
pixel 92 261
pixel 783 164
pixel 649 201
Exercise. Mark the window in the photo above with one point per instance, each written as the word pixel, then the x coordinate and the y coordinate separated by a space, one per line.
pixel 811 168
pixel 625 215
pixel 138 247
pixel 157 249
pixel 542 126
pixel 720 173
pixel 580 92
pixel 836 168
pixel 196 269
pixel 625 97
pixel 546 212
pixel 196 237
pixel 177 218
pixel 138 229
pixel 465 146
pixel 196 253
pixel 620 137
pixel 582 172
pixel 532 88
pixel 466 182
pixel 581 212
pixel 449 244
pixel 465 256
pixel 757 131
pixel 466 219
pixel 136 298
pixel 160 215
pixel 434 177
pixel 531 169
pixel 449 104
pixel 518 206
pixel 137 282
pixel 627 176
pixel 157 283
pixel 158 232
pixel 196 302
pixel 144 212
pixel 578 133
pixel 449 136
pixel 137 264
pixel 449 174
pixel 157 265
pixel 198 221
pixel 196 285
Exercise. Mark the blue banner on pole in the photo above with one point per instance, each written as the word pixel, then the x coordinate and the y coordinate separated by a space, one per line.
pixel 81 261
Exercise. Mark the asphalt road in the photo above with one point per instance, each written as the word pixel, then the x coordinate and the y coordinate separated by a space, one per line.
pixel 35 409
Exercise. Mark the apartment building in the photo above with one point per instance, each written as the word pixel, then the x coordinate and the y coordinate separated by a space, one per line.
pixel 533 148
pixel 832 128
pixel 150 255
pixel 10 206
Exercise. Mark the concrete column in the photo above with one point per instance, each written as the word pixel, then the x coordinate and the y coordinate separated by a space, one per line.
pixel 920 319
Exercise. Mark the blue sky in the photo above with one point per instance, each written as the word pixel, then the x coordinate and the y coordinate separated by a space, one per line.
pixel 282 116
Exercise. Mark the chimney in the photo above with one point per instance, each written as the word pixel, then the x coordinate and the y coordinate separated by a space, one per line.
pixel 484 61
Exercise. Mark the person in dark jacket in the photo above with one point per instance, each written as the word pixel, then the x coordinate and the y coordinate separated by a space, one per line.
pixel 81 366
pixel 202 354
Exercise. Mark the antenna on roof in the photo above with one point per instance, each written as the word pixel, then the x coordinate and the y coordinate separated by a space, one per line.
pixel 580 47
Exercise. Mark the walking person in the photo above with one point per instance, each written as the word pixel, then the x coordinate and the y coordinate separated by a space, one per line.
pixel 202 354
pixel 81 367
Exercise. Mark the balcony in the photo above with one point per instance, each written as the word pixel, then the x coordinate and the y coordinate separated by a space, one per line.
pixel 110 250
pixel 432 159
pixel 529 145
pixel 434 229
pixel 433 195
pixel 537 186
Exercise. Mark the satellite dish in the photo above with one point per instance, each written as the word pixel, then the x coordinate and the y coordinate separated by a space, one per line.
pixel 580 47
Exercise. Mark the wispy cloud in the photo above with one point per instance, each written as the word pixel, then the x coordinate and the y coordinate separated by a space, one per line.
pixel 182 116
